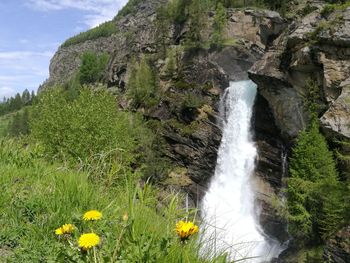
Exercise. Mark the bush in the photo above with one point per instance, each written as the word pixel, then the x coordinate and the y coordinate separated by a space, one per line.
pixel 142 86
pixel 92 68
pixel 192 101
pixel 89 125
pixel 177 10
pixel 103 30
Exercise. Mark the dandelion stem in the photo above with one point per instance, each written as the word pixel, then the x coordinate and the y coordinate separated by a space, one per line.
pixel 118 244
pixel 95 256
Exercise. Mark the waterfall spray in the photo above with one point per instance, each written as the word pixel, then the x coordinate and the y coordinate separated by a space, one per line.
pixel 228 206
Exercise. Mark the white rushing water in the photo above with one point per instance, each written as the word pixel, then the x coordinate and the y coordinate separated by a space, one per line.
pixel 227 208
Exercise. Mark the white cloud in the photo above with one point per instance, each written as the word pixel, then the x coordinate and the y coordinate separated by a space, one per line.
pixel 18 55
pixel 6 92
pixel 24 41
pixel 97 11
pixel 22 70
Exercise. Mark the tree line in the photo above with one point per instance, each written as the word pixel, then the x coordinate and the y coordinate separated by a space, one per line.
pixel 9 105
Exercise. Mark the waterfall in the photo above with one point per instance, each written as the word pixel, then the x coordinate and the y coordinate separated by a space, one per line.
pixel 229 220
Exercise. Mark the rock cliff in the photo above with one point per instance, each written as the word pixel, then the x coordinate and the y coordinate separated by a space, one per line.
pixel 316 48
pixel 278 56
pixel 250 32
pixel 313 48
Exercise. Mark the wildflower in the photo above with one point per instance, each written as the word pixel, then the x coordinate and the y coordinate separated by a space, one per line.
pixel 92 215
pixel 125 217
pixel 65 229
pixel 88 241
pixel 186 229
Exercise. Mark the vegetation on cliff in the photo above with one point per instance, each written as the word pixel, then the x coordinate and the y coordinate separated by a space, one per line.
pixel 104 30
pixel 317 196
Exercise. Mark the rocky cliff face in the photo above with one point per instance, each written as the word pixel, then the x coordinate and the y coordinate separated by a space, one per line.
pixel 281 59
pixel 249 30
pixel 317 48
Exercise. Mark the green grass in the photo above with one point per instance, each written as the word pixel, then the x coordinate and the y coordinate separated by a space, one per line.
pixel 38 197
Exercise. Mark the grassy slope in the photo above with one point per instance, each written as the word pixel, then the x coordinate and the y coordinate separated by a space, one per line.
pixel 36 198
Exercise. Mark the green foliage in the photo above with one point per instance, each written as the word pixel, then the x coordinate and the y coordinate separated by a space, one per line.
pixel 174 65
pixel 333 6
pixel 89 125
pixel 197 16
pixel 183 129
pixel 92 67
pixel 19 124
pixel 37 198
pixel 177 10
pixel 129 8
pixel 142 86
pixel 313 173
pixel 342 153
pixel 219 25
pixel 163 27
pixel 192 101
pixel 16 103
pixel 103 30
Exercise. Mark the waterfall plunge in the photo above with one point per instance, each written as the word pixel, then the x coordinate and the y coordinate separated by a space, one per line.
pixel 228 206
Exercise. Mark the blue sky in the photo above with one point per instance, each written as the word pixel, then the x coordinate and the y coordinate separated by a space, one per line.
pixel 32 30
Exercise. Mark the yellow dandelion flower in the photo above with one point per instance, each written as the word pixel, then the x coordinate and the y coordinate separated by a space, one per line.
pixel 88 241
pixel 65 229
pixel 92 215
pixel 59 231
pixel 186 229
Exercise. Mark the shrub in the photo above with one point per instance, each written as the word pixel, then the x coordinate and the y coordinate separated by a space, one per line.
pixel 177 10
pixel 92 67
pixel 192 101
pixel 142 86
pixel 89 125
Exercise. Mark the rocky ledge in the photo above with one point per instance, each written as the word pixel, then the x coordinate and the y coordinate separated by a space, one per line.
pixel 315 48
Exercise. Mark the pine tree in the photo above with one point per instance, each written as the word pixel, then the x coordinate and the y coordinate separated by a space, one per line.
pixel 219 25
pixel 142 86
pixel 163 24
pixel 312 173
pixel 25 97
pixel 198 11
